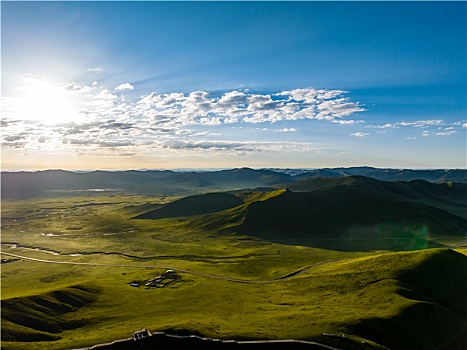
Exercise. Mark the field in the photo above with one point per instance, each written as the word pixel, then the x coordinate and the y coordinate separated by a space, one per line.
pixel 381 296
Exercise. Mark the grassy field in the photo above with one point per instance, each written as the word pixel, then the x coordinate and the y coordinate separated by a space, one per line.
pixel 401 300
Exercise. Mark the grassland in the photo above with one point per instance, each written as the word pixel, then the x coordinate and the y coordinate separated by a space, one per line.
pixel 400 300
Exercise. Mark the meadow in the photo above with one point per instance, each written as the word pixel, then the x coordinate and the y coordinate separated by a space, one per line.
pixel 377 296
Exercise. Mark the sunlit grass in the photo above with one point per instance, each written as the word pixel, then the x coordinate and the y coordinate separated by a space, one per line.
pixel 345 295
pixel 334 297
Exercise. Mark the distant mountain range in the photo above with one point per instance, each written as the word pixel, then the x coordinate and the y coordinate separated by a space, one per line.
pixel 432 175
pixel 160 182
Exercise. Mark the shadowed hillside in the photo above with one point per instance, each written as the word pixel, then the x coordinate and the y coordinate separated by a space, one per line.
pixel 43 317
pixel 438 317
pixel 451 197
pixel 326 213
pixel 194 205
pixel 356 209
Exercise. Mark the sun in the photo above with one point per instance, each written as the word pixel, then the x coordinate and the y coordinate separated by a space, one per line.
pixel 46 102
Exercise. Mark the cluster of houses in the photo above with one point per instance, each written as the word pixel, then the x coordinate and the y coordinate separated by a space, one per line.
pixel 169 274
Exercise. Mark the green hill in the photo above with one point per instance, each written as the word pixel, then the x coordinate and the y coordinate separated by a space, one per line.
pixel 43 317
pixel 330 211
pixel 403 300
pixel 356 209
pixel 451 197
pixel 194 205
pixel 437 317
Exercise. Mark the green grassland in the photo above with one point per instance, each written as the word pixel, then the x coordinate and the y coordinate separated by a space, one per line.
pixel 399 300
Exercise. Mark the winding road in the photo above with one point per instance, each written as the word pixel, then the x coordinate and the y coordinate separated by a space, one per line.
pixel 313 345
pixel 290 275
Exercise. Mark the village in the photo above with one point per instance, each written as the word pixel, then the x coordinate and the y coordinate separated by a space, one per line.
pixel 159 281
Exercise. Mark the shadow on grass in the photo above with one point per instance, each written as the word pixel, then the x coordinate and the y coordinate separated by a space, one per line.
pixel 437 320
pixel 359 238
pixel 363 245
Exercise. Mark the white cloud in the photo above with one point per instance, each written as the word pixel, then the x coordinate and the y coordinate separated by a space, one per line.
pixel 416 124
pixel 238 106
pixel 125 86
pixel 360 134
pixel 337 108
pixel 76 87
pixel 107 119
pixel 287 130
pixel 385 126
pixel 423 123
pixel 230 98
pixel 348 122
pixel 236 146
pixel 105 95
pixel 95 70
pixel 446 133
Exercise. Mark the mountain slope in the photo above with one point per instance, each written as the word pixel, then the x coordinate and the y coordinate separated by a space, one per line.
pixel 451 197
pixel 43 317
pixel 437 318
pixel 194 205
pixel 345 212
pixel 328 212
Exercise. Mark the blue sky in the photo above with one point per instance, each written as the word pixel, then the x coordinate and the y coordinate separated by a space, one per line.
pixel 120 85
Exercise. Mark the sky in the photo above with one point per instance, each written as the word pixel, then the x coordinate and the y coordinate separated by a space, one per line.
pixel 167 85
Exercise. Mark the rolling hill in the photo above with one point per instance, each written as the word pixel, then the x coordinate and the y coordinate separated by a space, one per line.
pixel 451 197
pixel 402 300
pixel 43 317
pixel 352 208
pixel 194 205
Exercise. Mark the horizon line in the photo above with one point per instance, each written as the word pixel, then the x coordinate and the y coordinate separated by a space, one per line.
pixel 221 169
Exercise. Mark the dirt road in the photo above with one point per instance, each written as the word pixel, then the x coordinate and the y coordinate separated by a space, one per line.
pixel 290 275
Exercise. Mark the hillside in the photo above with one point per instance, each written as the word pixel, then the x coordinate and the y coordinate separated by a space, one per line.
pixel 194 205
pixel 357 209
pixel 43 317
pixel 451 197
pixel 437 319
pixel 403 301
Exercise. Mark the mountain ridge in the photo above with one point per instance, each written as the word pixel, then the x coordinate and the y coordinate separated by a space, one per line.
pixel 351 208
pixel 155 182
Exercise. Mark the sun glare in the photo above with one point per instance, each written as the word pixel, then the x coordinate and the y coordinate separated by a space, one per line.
pixel 46 102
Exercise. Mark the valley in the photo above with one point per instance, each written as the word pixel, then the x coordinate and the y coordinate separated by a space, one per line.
pixel 259 258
